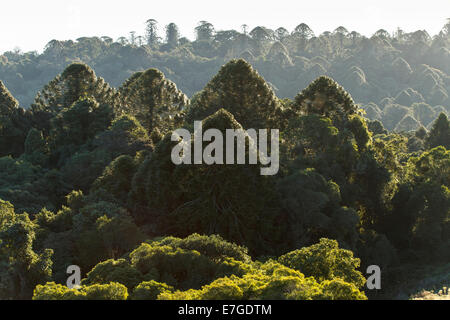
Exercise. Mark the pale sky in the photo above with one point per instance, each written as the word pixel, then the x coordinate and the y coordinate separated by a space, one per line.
pixel 31 24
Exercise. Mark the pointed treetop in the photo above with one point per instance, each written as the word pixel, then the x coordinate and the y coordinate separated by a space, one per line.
pixel 221 120
pixel 79 70
pixel 439 134
pixel 324 96
pixel 304 31
pixel 151 75
pixel 76 81
pixel 34 142
pixel 131 80
pixel 151 78
pixel 240 90
pixel 7 102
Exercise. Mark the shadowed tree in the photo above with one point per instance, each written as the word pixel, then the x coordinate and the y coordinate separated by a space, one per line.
pixel 317 212
pixel 281 33
pixel 446 28
pixel 77 81
pixel 304 31
pixel 324 96
pixel 417 224
pixel 107 40
pixel 36 148
pixel 14 124
pixel 8 103
pixel 207 199
pixel 80 122
pixel 333 135
pixel 439 134
pixel 383 34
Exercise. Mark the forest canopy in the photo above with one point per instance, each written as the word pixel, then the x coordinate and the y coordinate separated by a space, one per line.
pixel 86 176
pixel 400 79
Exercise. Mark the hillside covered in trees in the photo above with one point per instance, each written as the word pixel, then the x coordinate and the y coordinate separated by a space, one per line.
pixel 400 79
pixel 86 176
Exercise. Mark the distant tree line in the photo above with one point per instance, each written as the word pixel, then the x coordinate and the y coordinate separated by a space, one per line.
pixel 399 79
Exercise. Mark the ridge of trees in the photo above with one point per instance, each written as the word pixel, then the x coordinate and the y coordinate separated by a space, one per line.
pixel 400 79
pixel 87 181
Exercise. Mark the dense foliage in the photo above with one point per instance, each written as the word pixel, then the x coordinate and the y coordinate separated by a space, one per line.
pixel 86 176
pixel 399 79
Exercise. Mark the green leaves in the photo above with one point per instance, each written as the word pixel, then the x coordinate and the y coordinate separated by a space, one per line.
pixel 234 201
pixel 181 268
pixel 325 261
pixel 53 291
pixel 325 97
pixel 14 124
pixel 158 271
pixel 117 178
pixel 422 206
pixel 114 271
pixel 439 134
pixel 240 90
pixel 78 123
pixel 150 290
pixel 8 104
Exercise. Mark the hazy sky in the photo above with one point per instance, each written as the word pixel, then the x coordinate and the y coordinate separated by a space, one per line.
pixel 30 24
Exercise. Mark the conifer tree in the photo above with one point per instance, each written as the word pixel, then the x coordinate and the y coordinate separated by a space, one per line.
pixel 77 81
pixel 154 100
pixel 439 134
pixel 234 201
pixel 36 148
pixel 8 104
pixel 240 90
pixel 13 124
